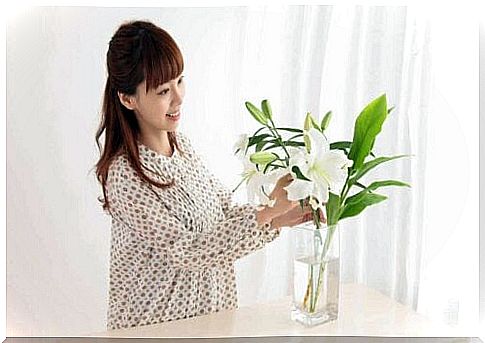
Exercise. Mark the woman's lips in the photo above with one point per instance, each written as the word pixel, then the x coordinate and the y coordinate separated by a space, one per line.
pixel 175 118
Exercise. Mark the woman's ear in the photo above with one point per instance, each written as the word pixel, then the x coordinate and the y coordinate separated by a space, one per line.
pixel 127 100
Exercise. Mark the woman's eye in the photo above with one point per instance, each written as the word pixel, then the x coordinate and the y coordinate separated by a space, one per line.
pixel 165 91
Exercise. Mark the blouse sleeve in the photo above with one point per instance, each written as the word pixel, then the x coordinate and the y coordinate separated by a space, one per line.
pixel 133 203
pixel 224 194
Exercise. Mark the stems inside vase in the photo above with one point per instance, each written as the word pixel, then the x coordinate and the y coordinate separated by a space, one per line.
pixel 313 290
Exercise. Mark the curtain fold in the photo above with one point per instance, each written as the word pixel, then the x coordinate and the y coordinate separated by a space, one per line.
pixel 339 58
pixel 320 58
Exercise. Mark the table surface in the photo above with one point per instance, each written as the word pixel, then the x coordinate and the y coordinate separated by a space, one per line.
pixel 363 312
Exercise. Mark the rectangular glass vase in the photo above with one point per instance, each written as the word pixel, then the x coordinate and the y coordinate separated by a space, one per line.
pixel 316 276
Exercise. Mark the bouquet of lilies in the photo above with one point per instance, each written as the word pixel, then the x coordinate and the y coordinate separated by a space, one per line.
pixel 323 173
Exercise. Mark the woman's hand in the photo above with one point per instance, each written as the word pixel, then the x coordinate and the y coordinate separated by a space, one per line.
pixel 280 195
pixel 281 205
pixel 296 216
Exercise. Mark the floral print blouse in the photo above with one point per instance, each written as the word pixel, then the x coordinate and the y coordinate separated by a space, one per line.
pixel 173 250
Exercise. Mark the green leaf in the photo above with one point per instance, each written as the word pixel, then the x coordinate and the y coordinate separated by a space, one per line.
pixel 363 195
pixel 261 145
pixel 385 183
pixel 355 207
pixel 366 167
pixel 295 136
pixel 273 166
pixel 289 129
pixel 360 195
pixel 367 125
pixel 256 139
pixel 259 130
pixel 341 145
pixel 344 146
pixel 332 209
pixel 298 173
pixel 326 121
pixel 372 147
pixel 266 167
pixel 374 140
pixel 256 113
pixel 285 143
pixel 266 109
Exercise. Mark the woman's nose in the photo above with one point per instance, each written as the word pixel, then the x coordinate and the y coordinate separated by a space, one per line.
pixel 178 96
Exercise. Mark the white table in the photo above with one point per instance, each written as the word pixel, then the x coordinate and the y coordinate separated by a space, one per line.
pixel 363 312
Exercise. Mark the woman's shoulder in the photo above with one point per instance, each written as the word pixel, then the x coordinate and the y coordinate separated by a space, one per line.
pixel 183 138
pixel 185 143
pixel 119 168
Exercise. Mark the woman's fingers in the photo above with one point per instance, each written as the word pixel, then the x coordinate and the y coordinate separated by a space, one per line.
pixel 308 215
pixel 285 180
pixel 295 215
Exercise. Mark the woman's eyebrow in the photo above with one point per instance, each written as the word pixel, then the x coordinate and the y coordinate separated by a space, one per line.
pixel 166 84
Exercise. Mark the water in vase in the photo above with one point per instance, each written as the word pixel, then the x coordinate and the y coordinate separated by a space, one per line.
pixel 316 290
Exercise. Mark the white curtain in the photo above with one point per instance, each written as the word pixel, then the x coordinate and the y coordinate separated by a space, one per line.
pixel 339 58
pixel 320 58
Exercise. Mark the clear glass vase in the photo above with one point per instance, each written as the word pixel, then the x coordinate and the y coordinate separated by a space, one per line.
pixel 316 276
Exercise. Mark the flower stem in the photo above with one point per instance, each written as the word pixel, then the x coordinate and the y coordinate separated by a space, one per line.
pixel 240 183
pixel 323 264
pixel 275 133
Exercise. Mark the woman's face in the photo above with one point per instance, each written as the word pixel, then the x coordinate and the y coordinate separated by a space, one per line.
pixel 152 108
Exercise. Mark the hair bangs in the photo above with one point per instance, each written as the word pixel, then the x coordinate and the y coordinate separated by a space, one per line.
pixel 162 63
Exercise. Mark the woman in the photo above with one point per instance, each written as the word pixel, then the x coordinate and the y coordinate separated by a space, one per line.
pixel 175 233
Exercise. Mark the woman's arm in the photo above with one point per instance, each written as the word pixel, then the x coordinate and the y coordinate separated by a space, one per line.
pixel 224 194
pixel 263 216
pixel 133 203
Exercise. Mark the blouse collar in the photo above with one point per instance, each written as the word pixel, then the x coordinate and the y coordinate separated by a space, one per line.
pixel 149 155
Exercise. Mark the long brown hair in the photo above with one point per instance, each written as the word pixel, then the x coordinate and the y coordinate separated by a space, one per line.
pixel 138 51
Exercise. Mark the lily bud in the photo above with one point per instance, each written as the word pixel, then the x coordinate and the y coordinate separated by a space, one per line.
pixel 306 139
pixel 310 122
pixel 266 109
pixel 263 157
pixel 256 113
pixel 326 120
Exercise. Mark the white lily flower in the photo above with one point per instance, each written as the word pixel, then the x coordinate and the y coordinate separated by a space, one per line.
pixel 241 145
pixel 269 181
pixel 253 179
pixel 326 169
pixel 257 181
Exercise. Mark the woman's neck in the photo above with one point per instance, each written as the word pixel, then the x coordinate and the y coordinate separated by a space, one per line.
pixel 158 143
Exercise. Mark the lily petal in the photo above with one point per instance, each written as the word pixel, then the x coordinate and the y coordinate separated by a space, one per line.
pixel 241 144
pixel 298 158
pixel 334 163
pixel 320 191
pixel 319 144
pixel 298 189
